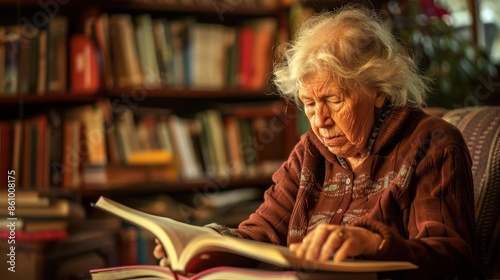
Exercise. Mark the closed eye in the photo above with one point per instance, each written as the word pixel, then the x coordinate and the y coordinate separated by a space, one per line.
pixel 335 101
pixel 309 104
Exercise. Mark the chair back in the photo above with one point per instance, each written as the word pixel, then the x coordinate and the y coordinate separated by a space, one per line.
pixel 480 127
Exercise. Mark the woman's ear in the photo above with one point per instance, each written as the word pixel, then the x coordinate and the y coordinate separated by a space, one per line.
pixel 380 99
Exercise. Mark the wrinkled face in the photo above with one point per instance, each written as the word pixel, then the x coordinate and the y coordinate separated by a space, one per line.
pixel 341 120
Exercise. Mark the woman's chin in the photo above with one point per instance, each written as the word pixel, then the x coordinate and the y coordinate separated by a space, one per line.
pixel 342 151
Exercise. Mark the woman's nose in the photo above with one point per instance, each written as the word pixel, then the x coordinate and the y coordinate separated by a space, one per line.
pixel 322 116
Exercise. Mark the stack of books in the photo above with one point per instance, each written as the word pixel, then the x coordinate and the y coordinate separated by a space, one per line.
pixel 28 216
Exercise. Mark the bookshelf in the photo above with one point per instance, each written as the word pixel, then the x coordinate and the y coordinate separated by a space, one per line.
pixel 86 86
pixel 85 19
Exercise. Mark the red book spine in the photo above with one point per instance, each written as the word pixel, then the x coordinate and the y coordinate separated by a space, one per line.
pixel 246 47
pixel 7 234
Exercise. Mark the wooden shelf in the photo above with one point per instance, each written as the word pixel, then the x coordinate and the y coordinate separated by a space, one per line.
pixel 194 93
pixel 208 185
pixel 67 98
pixel 47 99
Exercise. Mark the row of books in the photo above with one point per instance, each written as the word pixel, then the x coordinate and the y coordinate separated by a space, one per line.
pixel 140 50
pixel 123 51
pixel 96 144
pixel 25 53
pixel 237 140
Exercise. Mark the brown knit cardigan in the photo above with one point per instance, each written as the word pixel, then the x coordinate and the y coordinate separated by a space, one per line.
pixel 415 190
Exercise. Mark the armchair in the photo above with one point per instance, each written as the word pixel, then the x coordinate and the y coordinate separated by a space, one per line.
pixel 480 127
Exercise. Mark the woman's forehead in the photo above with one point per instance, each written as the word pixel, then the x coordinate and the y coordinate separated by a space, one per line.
pixel 320 82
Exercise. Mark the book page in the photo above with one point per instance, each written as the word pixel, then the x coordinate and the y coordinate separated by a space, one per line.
pixel 203 248
pixel 133 272
pixel 173 235
pixel 207 249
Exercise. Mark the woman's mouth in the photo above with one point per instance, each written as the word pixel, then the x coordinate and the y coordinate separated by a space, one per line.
pixel 334 140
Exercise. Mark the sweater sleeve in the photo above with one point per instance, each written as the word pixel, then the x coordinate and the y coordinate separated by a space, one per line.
pixel 269 223
pixel 440 224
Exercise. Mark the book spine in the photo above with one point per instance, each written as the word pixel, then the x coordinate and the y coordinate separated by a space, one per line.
pixel 35 236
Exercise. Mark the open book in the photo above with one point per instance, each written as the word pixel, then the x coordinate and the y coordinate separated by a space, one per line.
pixel 192 249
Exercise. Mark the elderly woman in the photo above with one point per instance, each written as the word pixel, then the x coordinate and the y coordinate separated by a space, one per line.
pixel 375 177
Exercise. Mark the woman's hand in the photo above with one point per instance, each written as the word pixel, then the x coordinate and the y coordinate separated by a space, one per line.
pixel 160 254
pixel 327 240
